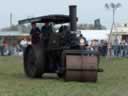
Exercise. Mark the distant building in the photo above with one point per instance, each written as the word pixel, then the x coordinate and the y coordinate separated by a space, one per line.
pixel 120 32
pixel 96 26
pixel 13 36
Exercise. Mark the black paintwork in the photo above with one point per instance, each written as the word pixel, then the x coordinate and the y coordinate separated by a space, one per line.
pixel 53 44
pixel 57 19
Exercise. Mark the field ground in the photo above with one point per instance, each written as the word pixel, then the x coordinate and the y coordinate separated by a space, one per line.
pixel 112 82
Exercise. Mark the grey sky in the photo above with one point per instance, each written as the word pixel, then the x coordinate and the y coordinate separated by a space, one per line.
pixel 88 10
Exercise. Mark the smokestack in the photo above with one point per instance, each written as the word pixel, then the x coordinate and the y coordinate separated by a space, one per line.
pixel 73 17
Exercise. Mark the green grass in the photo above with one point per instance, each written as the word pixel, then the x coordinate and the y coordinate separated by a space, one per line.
pixel 112 82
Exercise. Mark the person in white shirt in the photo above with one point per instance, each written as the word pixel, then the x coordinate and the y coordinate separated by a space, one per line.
pixel 23 44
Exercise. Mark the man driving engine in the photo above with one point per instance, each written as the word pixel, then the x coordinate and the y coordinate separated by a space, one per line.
pixel 35 33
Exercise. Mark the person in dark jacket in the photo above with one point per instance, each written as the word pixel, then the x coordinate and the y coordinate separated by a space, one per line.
pixel 35 33
pixel 34 29
pixel 46 30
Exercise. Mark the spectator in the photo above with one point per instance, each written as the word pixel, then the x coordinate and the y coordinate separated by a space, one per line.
pixel 1 47
pixel 23 44
pixel 6 48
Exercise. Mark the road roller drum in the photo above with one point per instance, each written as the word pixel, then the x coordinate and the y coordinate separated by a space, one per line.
pixel 81 66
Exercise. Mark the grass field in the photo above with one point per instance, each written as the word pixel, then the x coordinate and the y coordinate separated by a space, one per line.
pixel 112 82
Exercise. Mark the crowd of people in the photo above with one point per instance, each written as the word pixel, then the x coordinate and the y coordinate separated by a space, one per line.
pixel 7 49
pixel 119 49
pixel 99 46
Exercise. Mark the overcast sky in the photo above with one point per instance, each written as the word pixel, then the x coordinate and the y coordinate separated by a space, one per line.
pixel 88 10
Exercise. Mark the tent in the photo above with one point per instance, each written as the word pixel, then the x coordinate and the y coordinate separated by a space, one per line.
pixel 96 34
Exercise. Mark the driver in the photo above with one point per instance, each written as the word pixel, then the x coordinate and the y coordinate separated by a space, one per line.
pixel 35 33
pixel 34 29
pixel 46 28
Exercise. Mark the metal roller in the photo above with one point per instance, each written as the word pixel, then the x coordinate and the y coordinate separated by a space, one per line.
pixel 80 67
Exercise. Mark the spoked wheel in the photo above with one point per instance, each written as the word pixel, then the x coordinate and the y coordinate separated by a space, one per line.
pixel 33 62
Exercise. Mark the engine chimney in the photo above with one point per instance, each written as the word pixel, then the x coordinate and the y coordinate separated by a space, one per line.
pixel 73 17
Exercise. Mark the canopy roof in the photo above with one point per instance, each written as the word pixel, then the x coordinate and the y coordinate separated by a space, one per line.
pixel 57 19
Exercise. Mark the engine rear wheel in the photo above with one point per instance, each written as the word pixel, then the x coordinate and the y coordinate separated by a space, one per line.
pixel 34 62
